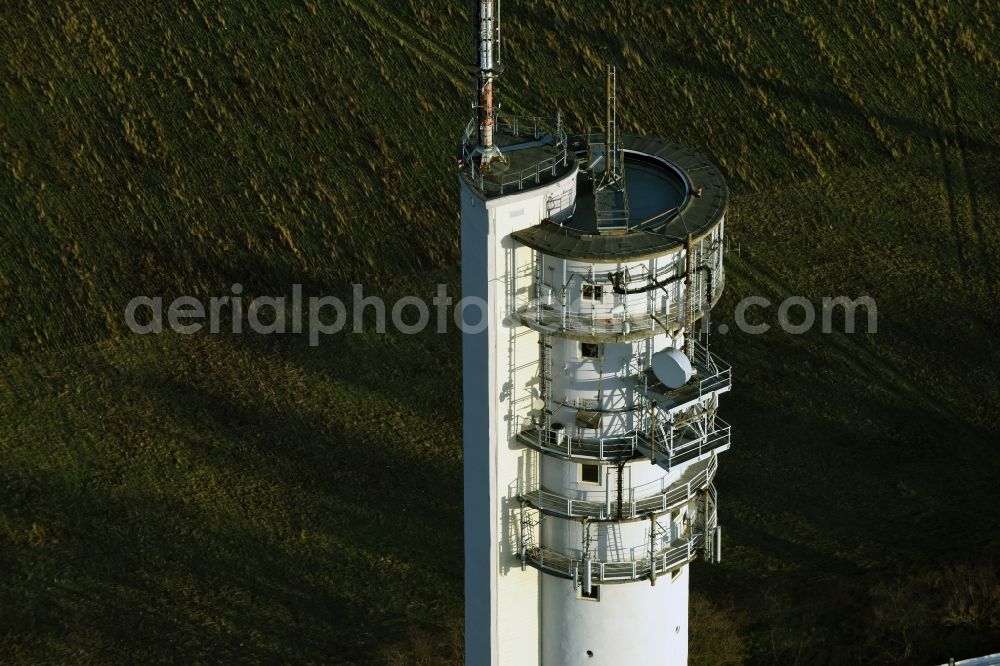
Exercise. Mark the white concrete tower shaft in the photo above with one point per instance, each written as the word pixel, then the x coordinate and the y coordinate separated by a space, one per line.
pixel 500 371
pixel 590 426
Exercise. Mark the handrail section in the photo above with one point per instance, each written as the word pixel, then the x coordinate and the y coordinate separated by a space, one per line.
pixel 668 559
pixel 671 452
pixel 667 453
pixel 540 128
pixel 713 375
pixel 667 499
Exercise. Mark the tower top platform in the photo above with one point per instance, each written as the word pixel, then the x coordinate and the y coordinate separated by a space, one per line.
pixel 535 152
pixel 672 193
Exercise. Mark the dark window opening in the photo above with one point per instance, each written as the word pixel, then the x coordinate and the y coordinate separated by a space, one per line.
pixel 590 473
pixel 588 419
pixel 590 349
pixel 595 593
pixel 593 292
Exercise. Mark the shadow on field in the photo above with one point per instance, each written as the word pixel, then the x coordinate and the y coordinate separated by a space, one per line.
pixel 163 577
pixel 367 482
pixel 859 507
pixel 220 520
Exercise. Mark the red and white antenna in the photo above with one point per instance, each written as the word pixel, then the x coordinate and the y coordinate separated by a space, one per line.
pixel 489 68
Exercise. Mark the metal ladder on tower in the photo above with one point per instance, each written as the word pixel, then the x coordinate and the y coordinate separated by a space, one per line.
pixel 545 379
pixel 656 531
pixel 616 552
pixel 690 297
pixel 707 520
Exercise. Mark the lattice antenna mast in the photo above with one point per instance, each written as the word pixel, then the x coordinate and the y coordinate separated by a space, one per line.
pixel 615 163
pixel 488 38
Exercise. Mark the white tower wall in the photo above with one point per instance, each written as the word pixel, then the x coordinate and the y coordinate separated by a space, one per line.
pixel 566 277
pixel 635 624
pixel 621 623
pixel 502 601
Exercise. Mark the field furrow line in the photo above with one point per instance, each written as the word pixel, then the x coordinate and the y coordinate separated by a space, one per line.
pixel 965 227
pixel 847 348
pixel 973 208
pixel 409 39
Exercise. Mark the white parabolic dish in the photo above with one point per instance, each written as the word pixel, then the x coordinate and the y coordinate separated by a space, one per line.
pixel 672 367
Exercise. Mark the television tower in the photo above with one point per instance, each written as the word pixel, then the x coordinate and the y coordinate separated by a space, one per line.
pixel 591 432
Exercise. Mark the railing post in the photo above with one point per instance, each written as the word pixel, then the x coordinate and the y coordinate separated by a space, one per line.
pixel 522 547
pixel 607 491
pixel 652 549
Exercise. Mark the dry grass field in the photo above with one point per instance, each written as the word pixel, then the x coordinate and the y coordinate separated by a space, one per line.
pixel 223 498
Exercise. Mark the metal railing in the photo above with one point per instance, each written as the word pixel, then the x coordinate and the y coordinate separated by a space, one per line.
pixel 713 375
pixel 600 321
pixel 667 452
pixel 678 554
pixel 502 182
pixel 550 309
pixel 650 498
pixel 561 443
pixel 555 311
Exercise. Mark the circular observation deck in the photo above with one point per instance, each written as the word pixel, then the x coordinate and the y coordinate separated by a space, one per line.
pixel 654 498
pixel 652 559
pixel 672 193
pixel 671 196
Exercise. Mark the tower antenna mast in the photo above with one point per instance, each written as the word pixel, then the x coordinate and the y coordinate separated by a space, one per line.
pixel 489 68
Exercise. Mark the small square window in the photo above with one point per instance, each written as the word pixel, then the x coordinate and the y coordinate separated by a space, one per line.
pixel 590 473
pixel 595 593
pixel 593 292
pixel 590 350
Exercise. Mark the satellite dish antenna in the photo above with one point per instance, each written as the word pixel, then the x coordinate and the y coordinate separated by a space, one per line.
pixel 538 404
pixel 672 367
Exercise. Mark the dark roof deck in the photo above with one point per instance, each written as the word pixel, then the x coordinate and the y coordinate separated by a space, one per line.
pixel 673 192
